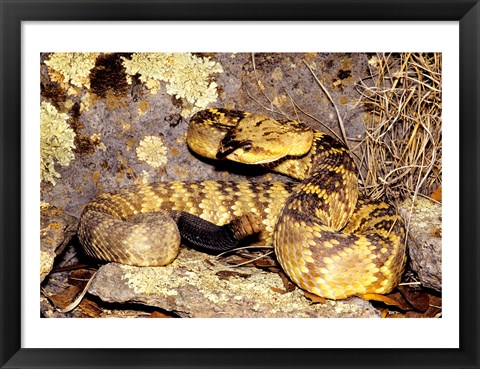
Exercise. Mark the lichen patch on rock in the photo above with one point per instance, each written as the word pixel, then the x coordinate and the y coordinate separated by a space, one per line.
pixel 152 151
pixel 71 69
pixel 194 286
pixel 186 76
pixel 56 142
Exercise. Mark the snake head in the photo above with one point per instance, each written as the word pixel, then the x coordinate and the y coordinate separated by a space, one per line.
pixel 259 139
pixel 232 148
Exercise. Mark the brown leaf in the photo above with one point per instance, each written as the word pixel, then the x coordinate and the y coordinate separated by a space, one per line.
pixel 263 263
pixel 274 269
pixel 63 299
pixel 226 274
pixel 90 308
pixel 387 313
pixel 437 194
pixel 383 312
pixel 415 307
pixel 278 290
pixel 418 299
pixel 415 314
pixel 73 267
pixel 393 299
pixel 435 307
pixel 314 298
pixel 435 301
pixel 287 283
pixel 158 314
pixel 248 259
pixel 80 277
pixel 72 296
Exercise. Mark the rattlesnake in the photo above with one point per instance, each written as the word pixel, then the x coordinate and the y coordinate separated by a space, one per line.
pixel 328 238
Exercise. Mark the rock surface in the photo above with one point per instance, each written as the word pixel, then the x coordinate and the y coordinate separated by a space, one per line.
pixel 201 286
pixel 424 220
pixel 56 230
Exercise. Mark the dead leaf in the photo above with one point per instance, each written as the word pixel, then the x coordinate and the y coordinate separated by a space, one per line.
pixel 314 298
pixel 437 194
pixel 383 312
pixel 278 290
pixel 416 314
pixel 417 298
pixel 251 259
pixel 90 308
pixel 72 267
pixel 80 277
pixel 395 315
pixel 393 299
pixel 287 283
pixel 72 296
pixel 63 299
pixel 435 307
pixel 387 313
pixel 226 274
pixel 258 258
pixel 414 302
pixel 158 314
pixel 263 263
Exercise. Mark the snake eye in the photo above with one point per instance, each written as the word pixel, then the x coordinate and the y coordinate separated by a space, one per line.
pixel 247 147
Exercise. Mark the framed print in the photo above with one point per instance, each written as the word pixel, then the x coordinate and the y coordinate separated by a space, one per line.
pixel 276 164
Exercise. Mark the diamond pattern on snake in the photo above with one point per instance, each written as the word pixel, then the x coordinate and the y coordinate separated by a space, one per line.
pixel 328 238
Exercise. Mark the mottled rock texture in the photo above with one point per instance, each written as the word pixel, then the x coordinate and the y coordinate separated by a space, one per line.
pixel 424 219
pixel 196 285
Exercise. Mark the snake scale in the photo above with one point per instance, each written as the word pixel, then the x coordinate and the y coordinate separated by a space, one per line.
pixel 328 238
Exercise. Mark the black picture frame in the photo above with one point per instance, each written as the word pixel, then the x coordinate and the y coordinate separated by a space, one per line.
pixel 466 12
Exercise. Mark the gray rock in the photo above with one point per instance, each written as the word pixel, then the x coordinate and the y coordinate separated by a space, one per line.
pixel 201 286
pixel 56 230
pixel 424 220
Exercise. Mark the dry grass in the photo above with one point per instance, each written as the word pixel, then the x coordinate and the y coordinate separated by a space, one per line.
pixel 401 154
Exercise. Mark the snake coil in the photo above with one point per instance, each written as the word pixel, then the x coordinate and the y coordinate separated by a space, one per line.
pixel 329 239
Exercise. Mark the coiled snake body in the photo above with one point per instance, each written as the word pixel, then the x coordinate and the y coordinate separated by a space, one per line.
pixel 328 238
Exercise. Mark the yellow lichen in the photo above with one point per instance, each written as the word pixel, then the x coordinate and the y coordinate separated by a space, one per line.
pixel 46 263
pixel 86 101
pixel 187 77
pixel 277 74
pixel 374 61
pixel 96 139
pixel 71 69
pixel 144 177
pixel 253 293
pixel 143 107
pixel 69 104
pixel 56 142
pixel 152 151
pixel 281 100
pixel 44 205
